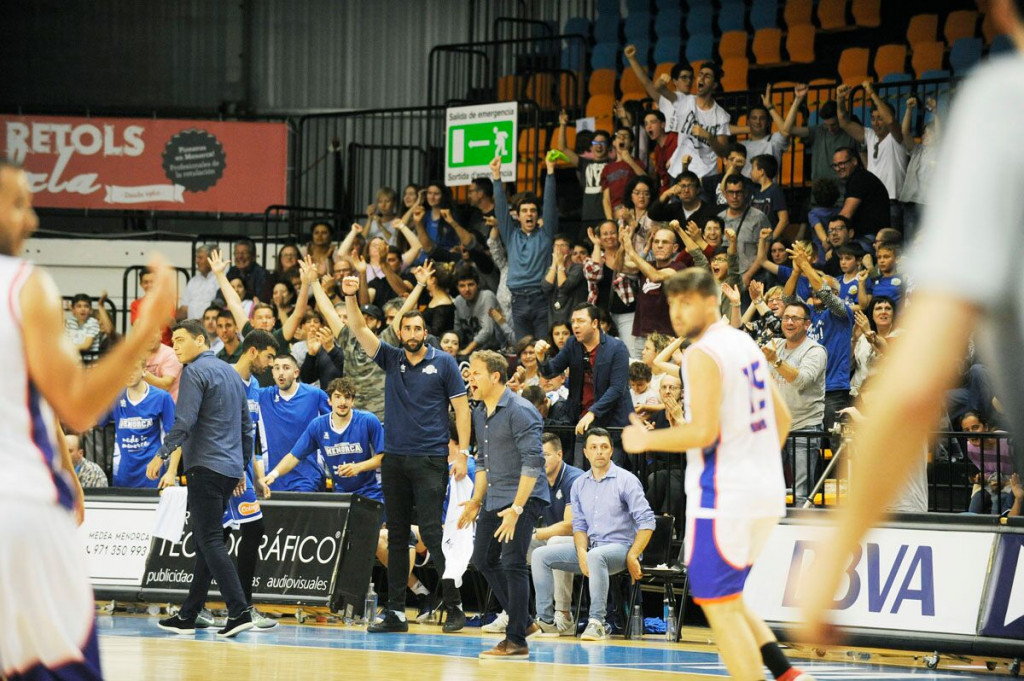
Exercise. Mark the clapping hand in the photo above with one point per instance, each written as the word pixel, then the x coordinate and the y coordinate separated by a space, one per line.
pixel 217 263
pixel 756 290
pixel 326 338
pixel 732 293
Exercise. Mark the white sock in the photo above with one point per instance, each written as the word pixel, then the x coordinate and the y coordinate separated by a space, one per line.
pixel 399 615
pixel 419 589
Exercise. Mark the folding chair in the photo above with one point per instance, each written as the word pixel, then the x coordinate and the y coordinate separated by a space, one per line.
pixel 659 567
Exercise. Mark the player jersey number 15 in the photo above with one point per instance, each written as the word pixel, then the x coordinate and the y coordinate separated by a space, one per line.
pixel 758 396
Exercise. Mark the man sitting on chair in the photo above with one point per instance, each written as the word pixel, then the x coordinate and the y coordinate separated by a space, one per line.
pixel 612 523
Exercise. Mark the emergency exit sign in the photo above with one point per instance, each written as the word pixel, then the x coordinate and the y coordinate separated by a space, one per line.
pixel 477 134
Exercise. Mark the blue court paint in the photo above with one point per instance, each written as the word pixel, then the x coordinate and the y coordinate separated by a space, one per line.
pixel 653 656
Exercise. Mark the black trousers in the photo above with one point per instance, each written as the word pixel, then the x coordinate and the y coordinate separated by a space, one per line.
pixel 208 494
pixel 418 482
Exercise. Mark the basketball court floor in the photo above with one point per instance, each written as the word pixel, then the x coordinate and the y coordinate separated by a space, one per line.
pixel 134 648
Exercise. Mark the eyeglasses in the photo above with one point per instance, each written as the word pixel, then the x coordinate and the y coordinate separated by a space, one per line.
pixel 599 143
pixel 791 318
pixel 841 164
pixel 836 230
pixel 734 192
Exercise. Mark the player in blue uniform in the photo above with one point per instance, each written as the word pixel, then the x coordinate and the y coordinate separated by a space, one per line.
pixel 286 410
pixel 350 442
pixel 142 415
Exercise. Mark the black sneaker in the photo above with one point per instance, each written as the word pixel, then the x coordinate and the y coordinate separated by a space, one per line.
pixel 454 619
pixel 177 625
pixel 426 604
pixel 236 625
pixel 389 625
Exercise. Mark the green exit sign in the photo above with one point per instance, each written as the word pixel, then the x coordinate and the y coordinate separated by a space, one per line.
pixel 475 144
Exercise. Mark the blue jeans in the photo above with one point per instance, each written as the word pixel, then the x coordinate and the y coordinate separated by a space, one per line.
pixel 208 494
pixel 529 313
pixel 602 561
pixel 504 566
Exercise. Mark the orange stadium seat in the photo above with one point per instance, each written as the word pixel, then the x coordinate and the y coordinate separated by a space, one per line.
pixel 531 145
pixel 989 29
pixel 540 88
pixel 798 12
pixel 570 90
pixel 734 74
pixel 800 44
pixel 960 24
pixel 922 29
pixel 767 47
pixel 602 82
pixel 867 13
pixel 853 65
pixel 927 57
pixel 508 88
pixel 600 107
pixel 733 45
pixel 890 59
pixel 792 172
pixel 832 15
pixel 570 138
pixel 630 84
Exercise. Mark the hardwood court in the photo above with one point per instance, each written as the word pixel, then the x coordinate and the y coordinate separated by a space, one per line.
pixel 133 648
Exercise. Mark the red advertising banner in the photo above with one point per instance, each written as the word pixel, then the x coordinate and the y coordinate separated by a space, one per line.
pixel 149 164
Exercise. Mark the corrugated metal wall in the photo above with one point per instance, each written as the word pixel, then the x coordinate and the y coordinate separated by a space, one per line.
pixel 286 55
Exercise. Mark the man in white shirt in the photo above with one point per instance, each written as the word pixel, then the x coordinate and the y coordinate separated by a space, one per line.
pixel 702 124
pixel 887 157
pixel 759 126
pixel 201 288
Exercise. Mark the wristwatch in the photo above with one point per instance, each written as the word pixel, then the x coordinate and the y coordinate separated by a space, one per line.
pixel 518 510
pixel 777 363
pixel 464 452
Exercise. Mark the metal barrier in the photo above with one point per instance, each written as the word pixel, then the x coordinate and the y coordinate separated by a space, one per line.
pixel 126 301
pixel 485 15
pixel 88 356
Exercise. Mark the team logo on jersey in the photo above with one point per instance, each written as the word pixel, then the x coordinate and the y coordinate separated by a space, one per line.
pixel 430 369
pixel 651 286
pixel 558 494
pixel 853 289
pixel 124 403
pixel 896 281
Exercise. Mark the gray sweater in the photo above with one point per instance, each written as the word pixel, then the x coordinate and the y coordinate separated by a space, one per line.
pixel 805 396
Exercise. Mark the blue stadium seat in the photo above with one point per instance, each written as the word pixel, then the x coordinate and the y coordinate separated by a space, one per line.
pixel 964 55
pixel 606 28
pixel 667 50
pixel 732 16
pixel 668 23
pixel 897 96
pixel 608 7
pixel 605 56
pixel 700 21
pixel 700 48
pixel 1001 44
pixel 638 6
pixel 936 74
pixel 638 27
pixel 897 78
pixel 764 14
pixel 577 26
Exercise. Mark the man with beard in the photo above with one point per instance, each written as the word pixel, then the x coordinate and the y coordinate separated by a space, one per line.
pixel 421 382
pixel 651 306
pixel 285 411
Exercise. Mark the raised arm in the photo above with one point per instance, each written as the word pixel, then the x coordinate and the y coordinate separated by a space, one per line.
pixel 885 111
pixel 504 225
pixel 326 307
pixel 231 299
pixel 905 128
pixel 367 338
pixel 559 141
pixel 641 74
pixel 415 246
pixel 345 248
pixel 788 126
pixel 852 128
pixel 766 99
pixel 422 274
pixel 664 362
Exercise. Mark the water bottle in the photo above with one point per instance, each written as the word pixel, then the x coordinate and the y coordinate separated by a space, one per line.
pixel 636 624
pixel 665 605
pixel 370 606
pixel 670 624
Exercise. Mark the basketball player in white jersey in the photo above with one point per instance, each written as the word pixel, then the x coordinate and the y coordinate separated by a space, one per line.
pixel 735 424
pixel 957 292
pixel 46 601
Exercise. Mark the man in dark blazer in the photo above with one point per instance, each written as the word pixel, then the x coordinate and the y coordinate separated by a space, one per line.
pixel 598 367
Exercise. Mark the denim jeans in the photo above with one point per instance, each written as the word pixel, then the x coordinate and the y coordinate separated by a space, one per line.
pixel 530 313
pixel 563 580
pixel 504 566
pixel 408 482
pixel 208 494
pixel 624 326
pixel 602 561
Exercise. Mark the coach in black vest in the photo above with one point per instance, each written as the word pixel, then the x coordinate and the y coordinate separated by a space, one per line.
pixel 598 367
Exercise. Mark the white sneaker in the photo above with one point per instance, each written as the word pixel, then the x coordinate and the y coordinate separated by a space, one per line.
pixel 497 626
pixel 565 625
pixel 205 619
pixel 543 629
pixel 595 631
pixel 261 622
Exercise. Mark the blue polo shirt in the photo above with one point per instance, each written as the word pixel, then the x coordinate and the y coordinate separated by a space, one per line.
pixel 416 398
pixel 282 421
pixel 560 492
pixel 360 440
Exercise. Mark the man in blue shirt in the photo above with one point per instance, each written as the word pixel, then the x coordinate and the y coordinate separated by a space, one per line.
pixel 421 382
pixel 286 409
pixel 141 416
pixel 889 282
pixel 350 442
pixel 213 427
pixel 529 251
pixel 612 523
pixel 507 491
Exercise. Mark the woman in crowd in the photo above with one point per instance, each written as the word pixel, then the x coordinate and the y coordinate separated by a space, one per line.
pixel 639 194
pixel 283 300
pixel 439 315
pixel 560 333
pixel 321 246
pixel 380 216
pixel 871 334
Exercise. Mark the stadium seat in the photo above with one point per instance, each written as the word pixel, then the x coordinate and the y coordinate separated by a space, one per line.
pixel 832 15
pixel 989 29
pixel 922 28
pixel 540 87
pixel 605 56
pixel 732 16
pixel 531 145
pixel 570 90
pixel 935 74
pixel 570 137
pixel 767 47
pixel 643 55
pixel 890 59
pixel 964 55
pixel 635 6
pixel 867 13
pixel 982 5
pixel 630 84
pixel 668 23
pixel 853 65
pixel 764 14
pixel 733 45
pixel 606 28
pixel 792 171
pixel 637 28
pixel 800 44
pixel 600 108
pixel 960 24
pixel 602 82
pixel 1002 44
pixel 508 88
pixel 927 56
pixel 700 21
pixel 798 12
pixel 668 50
pixel 700 48
pixel 574 55
pixel 734 74
pixel 608 7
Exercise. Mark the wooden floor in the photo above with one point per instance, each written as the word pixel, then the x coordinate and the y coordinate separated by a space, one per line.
pixel 134 648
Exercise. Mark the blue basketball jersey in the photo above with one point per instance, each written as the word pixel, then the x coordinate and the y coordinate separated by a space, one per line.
pixel 361 439
pixel 139 431
pixel 282 422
